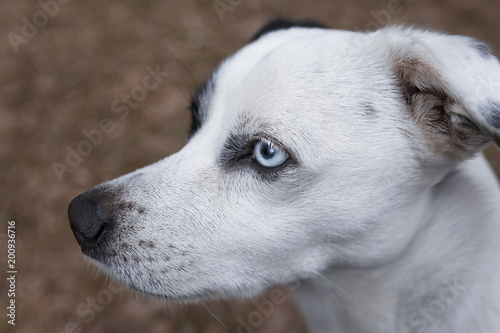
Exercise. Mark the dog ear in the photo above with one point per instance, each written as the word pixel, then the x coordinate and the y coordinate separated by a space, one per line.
pixel 451 85
pixel 282 23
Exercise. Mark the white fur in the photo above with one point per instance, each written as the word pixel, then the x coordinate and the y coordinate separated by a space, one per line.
pixel 380 229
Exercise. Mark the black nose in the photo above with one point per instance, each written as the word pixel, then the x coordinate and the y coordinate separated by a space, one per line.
pixel 85 221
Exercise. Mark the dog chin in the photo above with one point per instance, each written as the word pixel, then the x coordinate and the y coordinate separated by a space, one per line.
pixel 173 294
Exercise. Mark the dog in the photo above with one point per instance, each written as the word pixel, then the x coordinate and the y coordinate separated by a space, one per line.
pixel 349 163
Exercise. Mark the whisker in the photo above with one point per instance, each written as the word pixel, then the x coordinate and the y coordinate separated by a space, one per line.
pixel 205 306
pixel 333 284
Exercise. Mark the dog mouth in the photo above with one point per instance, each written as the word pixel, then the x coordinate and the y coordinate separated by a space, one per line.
pixel 98 255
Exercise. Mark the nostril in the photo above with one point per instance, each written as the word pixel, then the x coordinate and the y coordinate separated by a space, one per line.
pixel 99 233
pixel 85 222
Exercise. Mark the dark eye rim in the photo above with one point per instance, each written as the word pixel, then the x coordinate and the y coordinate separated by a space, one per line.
pixel 237 156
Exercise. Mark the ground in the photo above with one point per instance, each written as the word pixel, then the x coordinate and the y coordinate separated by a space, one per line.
pixel 60 77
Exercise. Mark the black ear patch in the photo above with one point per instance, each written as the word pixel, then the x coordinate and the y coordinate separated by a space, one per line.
pixel 199 104
pixel 482 48
pixel 494 114
pixel 194 107
pixel 282 23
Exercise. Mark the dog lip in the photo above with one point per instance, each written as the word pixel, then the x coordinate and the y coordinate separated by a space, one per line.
pixel 92 251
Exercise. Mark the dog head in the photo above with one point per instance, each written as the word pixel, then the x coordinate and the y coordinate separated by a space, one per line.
pixel 306 147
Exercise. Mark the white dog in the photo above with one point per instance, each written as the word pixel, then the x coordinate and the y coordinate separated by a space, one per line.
pixel 348 161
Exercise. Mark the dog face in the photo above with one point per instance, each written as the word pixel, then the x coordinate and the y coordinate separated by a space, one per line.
pixel 310 149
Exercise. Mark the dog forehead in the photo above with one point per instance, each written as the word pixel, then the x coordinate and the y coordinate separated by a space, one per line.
pixel 288 75
pixel 299 86
pixel 295 50
pixel 282 68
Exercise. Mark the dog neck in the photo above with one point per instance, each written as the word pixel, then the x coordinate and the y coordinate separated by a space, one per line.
pixel 445 281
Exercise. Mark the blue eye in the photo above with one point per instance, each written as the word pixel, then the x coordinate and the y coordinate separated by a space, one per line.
pixel 268 156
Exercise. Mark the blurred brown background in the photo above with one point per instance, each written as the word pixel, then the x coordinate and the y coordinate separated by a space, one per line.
pixel 61 78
